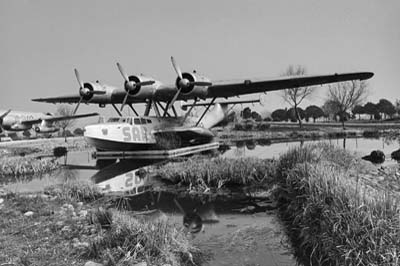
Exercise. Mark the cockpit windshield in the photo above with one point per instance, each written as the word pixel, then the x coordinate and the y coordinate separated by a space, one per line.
pixel 118 120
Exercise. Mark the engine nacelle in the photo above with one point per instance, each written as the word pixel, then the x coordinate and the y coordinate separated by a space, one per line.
pixel 192 89
pixel 41 129
pixel 87 91
pixel 140 91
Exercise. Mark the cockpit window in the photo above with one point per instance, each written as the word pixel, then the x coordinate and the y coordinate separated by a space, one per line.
pixel 143 121
pixel 113 120
pixel 148 121
pixel 117 120
pixel 136 121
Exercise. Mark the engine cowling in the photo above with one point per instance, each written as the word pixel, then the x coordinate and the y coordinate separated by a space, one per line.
pixel 86 91
pixel 41 129
pixel 192 89
pixel 134 88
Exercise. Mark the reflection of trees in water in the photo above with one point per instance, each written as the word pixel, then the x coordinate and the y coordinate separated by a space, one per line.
pixel 390 137
pixel 250 144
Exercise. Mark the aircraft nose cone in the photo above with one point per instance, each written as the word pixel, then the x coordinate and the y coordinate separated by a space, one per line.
pixel 184 83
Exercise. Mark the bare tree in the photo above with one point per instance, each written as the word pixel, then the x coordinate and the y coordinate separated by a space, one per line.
pixel 346 95
pixel 65 110
pixel 295 96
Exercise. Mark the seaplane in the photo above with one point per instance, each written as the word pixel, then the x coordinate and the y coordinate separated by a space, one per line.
pixel 166 129
pixel 15 121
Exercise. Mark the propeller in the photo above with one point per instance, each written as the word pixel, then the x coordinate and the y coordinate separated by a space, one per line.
pixel 84 91
pixel 183 82
pixel 131 84
pixel 2 119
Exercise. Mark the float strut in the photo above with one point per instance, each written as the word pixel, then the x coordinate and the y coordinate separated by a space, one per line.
pixel 133 109
pixel 116 109
pixel 205 111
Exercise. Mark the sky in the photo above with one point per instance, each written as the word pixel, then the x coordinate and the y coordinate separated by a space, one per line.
pixel 42 41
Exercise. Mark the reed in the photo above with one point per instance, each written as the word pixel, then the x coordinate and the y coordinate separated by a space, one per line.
pixel 74 190
pixel 27 165
pixel 129 241
pixel 333 217
pixel 218 172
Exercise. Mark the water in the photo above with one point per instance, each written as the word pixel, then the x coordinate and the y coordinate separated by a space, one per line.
pixel 267 150
pixel 233 229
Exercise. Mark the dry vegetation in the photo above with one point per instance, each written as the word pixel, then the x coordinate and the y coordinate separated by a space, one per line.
pixel 332 215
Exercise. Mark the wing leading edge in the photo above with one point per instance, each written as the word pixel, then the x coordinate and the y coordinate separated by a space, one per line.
pixel 51 119
pixel 248 86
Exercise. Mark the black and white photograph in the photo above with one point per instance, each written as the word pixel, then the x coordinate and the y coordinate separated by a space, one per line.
pixel 199 133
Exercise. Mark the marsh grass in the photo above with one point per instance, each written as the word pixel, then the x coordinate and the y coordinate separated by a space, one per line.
pixel 218 172
pixel 129 241
pixel 27 165
pixel 74 190
pixel 332 215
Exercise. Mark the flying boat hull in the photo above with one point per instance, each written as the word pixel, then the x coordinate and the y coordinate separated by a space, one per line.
pixel 131 137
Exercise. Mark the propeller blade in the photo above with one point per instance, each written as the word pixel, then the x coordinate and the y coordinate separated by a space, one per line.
pixel 145 83
pixel 121 70
pixel 78 78
pixel 5 114
pixel 124 101
pixel 200 83
pixel 98 92
pixel 171 103
pixel 176 67
pixel 77 106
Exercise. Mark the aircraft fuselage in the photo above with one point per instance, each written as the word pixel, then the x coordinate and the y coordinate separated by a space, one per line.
pixel 141 133
pixel 12 122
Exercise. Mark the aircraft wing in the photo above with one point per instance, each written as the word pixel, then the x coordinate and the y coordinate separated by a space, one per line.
pixel 52 119
pixel 61 99
pixel 248 86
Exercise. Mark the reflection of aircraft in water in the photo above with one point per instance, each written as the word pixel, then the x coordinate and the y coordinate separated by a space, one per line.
pixel 166 127
pixel 123 176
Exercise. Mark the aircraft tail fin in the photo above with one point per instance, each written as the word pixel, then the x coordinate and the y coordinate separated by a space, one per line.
pixel 215 116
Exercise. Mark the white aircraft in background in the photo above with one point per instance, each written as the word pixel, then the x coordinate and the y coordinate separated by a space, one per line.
pixel 40 122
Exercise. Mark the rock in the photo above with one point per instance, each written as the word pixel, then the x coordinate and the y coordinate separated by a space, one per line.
pixel 143 263
pixel 28 213
pixel 92 263
pixel 80 244
pixel 68 207
pixel 44 196
pixel 376 156
pixel 83 213
pixel 248 209
pixel 396 155
pixel 79 204
pixel 66 229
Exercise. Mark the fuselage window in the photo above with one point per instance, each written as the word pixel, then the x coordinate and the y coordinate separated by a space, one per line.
pixel 113 120
pixel 129 121
pixel 136 121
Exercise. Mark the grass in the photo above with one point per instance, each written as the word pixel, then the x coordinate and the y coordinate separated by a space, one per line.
pixel 27 165
pixel 332 215
pixel 203 172
pixel 73 190
pixel 129 241
pixel 65 231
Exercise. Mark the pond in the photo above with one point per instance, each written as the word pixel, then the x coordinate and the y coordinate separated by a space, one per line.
pixel 238 228
pixel 268 150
